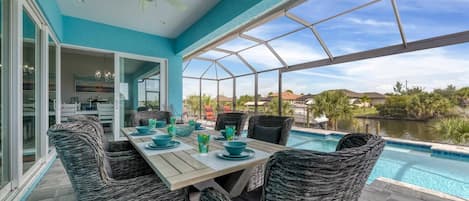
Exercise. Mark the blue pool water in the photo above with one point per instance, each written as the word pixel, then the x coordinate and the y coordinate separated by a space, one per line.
pixel 401 163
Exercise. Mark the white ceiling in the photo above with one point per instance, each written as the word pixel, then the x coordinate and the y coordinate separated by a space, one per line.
pixel 167 18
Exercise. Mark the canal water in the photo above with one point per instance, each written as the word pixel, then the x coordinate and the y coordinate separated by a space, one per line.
pixel 403 129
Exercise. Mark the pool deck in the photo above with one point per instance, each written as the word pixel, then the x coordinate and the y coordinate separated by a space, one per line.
pixel 55 186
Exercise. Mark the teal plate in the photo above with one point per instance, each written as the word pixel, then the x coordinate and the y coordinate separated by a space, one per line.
pixel 200 129
pixel 170 145
pixel 135 133
pixel 245 155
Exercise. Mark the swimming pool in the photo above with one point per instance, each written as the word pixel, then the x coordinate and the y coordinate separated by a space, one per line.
pixel 409 164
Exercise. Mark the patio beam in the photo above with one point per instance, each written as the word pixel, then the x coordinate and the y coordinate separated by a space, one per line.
pixel 206 70
pixel 254 39
pixel 224 68
pixel 203 59
pixel 346 12
pixel 187 65
pixel 216 63
pixel 247 74
pixel 198 78
pixel 246 63
pixel 399 23
pixel 315 32
pixel 440 41
pixel 224 51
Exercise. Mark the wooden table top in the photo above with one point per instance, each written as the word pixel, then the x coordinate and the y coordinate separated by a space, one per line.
pixel 180 169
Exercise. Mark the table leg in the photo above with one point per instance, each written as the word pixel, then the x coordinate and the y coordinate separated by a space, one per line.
pixel 233 185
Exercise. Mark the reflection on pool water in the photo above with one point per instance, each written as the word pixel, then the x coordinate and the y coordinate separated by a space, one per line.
pixel 402 164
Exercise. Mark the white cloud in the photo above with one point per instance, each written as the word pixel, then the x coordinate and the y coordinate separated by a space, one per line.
pixel 371 22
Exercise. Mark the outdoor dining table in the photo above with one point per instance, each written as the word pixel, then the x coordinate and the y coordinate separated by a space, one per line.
pixel 185 166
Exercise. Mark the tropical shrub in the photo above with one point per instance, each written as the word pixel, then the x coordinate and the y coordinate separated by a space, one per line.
pixel 454 129
pixel 272 108
pixel 417 106
pixel 394 106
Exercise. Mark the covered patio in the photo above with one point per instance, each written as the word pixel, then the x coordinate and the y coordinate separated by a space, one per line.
pixel 203 100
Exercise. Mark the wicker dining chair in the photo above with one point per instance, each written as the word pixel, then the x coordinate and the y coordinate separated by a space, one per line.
pixel 110 147
pixel 141 118
pixel 231 118
pixel 94 176
pixel 273 129
pixel 311 175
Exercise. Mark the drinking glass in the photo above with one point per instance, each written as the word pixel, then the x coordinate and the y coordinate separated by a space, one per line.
pixel 152 123
pixel 230 132
pixel 204 141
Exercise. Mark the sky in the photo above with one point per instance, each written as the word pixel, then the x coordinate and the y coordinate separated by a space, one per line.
pixel 368 28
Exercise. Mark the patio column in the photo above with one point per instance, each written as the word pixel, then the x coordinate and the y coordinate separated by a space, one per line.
pixel 200 98
pixel 218 96
pixel 234 94
pixel 279 92
pixel 256 90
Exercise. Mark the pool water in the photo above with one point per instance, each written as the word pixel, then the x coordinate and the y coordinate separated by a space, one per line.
pixel 402 164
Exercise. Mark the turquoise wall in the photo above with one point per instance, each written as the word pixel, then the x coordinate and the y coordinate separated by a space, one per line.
pixel 53 15
pixel 226 16
pixel 97 35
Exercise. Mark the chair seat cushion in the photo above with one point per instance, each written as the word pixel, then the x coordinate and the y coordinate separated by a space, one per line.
pixel 267 134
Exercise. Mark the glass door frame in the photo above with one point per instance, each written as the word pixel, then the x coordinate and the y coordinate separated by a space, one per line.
pixel 28 6
pixel 45 90
pixel 163 86
pixel 6 51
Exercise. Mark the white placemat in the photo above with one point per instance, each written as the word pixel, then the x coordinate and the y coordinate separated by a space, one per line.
pixel 211 160
pixel 149 152
pixel 156 132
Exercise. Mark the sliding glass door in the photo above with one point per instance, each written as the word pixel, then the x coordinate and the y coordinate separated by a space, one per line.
pixel 141 85
pixel 4 148
pixel 31 64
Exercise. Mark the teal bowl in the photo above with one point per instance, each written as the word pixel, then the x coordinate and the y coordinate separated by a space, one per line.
pixel 223 133
pixel 162 140
pixel 143 129
pixel 235 148
pixel 184 130
pixel 198 125
pixel 160 124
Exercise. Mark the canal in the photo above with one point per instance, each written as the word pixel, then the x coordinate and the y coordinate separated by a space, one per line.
pixel 404 129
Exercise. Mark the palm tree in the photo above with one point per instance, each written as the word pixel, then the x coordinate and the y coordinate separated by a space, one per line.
pixel 193 103
pixel 272 109
pixel 334 104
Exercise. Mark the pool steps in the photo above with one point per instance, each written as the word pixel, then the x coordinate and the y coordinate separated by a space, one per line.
pixel 437 150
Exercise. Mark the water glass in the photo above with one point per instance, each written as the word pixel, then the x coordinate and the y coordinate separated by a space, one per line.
pixel 192 123
pixel 230 132
pixel 204 142
pixel 152 123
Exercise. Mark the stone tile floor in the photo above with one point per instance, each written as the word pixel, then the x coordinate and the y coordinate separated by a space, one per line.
pixel 55 186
